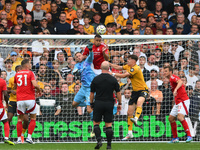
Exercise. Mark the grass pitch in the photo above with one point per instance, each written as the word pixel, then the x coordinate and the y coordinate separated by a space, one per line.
pixel 115 146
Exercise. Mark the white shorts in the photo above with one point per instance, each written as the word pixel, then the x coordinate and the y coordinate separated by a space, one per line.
pixel 97 71
pixel 180 108
pixel 3 114
pixel 27 106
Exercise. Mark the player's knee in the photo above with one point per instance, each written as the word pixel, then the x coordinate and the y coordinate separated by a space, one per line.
pixel 171 119
pixel 180 117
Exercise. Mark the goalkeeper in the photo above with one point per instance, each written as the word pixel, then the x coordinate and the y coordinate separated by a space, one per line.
pixel 83 68
pixel 139 93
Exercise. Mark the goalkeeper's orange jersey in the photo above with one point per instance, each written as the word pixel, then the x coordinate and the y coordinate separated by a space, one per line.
pixel 136 77
pixel 13 97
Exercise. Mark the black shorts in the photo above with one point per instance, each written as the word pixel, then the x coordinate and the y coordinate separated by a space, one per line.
pixel 12 107
pixel 103 109
pixel 136 94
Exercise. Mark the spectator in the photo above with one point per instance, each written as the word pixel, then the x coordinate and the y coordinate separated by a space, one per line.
pixel 14 4
pixel 143 24
pixel 65 100
pixel 175 3
pixel 169 31
pixel 87 10
pixel 70 12
pixel 20 24
pixel 197 88
pixel 175 49
pixel 135 22
pixel 4 16
pixel 38 13
pixel 96 8
pixel 143 5
pixel 104 11
pixel 151 20
pixel 43 61
pixel 179 29
pixel 62 27
pixel 79 14
pixel 44 25
pixel 74 27
pixel 196 71
pixel 148 31
pixel 139 13
pixel 157 94
pixel 191 78
pixel 183 65
pixel 158 26
pixel 42 74
pixel 136 32
pixel 3 30
pixel 146 73
pixel 151 63
pixel 125 99
pixel 96 21
pixel 165 55
pixel 196 11
pixel 61 60
pixel 123 8
pixel 15 57
pixel 70 82
pixel 4 76
pixel 153 76
pixel 78 5
pixel 10 12
pixel 49 20
pixel 158 8
pixel 38 47
pixel 180 20
pixel 28 23
pixel 158 61
pixel 128 29
pixel 89 29
pixel 49 105
pixel 165 21
pixel 9 71
pixel 16 30
pixel 193 20
pixel 54 88
pixel 194 29
pixel 61 5
pixel 54 13
pixel 115 17
pixel 167 97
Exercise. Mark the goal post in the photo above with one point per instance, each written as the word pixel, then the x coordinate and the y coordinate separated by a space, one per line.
pixel 53 60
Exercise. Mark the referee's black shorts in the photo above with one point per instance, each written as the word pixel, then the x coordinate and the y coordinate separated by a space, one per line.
pixel 12 107
pixel 136 94
pixel 103 109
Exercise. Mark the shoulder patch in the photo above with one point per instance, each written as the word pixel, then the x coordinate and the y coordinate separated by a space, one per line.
pixel 131 70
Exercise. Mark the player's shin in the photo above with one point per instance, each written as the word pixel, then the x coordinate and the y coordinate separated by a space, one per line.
pixel 31 128
pixel 138 112
pixel 19 129
pixel 97 132
pixel 130 125
pixel 109 135
pixel 6 130
pixel 186 128
pixel 174 129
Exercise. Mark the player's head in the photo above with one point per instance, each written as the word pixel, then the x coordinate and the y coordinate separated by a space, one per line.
pixel 79 57
pixel 132 59
pixel 168 71
pixel 18 68
pixel 26 64
pixel 105 66
pixel 97 40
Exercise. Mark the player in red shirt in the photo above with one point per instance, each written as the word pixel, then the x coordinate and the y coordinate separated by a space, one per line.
pixel 3 115
pixel 100 51
pixel 25 83
pixel 181 107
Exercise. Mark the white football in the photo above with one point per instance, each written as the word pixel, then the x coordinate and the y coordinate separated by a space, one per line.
pixel 101 29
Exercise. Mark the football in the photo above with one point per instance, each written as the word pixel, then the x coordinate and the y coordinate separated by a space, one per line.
pixel 101 29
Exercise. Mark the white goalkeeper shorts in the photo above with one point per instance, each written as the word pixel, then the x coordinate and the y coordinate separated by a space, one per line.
pixel 3 114
pixel 27 106
pixel 182 108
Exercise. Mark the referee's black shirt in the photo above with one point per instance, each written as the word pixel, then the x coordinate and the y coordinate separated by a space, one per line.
pixel 104 85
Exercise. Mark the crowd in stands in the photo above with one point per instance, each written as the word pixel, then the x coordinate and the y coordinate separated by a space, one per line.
pixel 53 65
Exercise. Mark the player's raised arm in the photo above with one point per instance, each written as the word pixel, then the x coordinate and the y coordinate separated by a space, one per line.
pixel 116 66
pixel 34 82
pixel 105 54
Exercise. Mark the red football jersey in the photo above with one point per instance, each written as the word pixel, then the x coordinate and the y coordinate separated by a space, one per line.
pixel 181 93
pixel 98 55
pixel 25 88
pixel 3 87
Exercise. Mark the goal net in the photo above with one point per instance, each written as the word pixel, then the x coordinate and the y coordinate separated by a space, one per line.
pixel 53 61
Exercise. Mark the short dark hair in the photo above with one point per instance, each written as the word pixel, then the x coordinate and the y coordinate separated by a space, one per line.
pixel 17 67
pixel 169 67
pixel 27 55
pixel 104 2
pixel 116 5
pixel 25 61
pixel 133 57
pixel 97 36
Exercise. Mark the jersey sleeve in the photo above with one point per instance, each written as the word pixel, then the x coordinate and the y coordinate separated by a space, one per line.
pixel 132 71
pixel 32 76
pixel 10 83
pixel 125 67
pixel 86 51
pixel 175 79
pixel 92 87
pixel 15 79
pixel 90 57
pixel 4 85
pixel 106 51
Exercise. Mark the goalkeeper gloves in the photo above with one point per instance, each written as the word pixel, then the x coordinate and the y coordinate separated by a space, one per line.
pixel 76 72
pixel 89 46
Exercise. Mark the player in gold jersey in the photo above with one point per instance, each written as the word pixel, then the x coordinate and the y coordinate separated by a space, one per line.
pixel 12 106
pixel 139 93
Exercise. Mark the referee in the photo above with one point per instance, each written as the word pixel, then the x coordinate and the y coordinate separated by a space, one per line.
pixel 104 85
